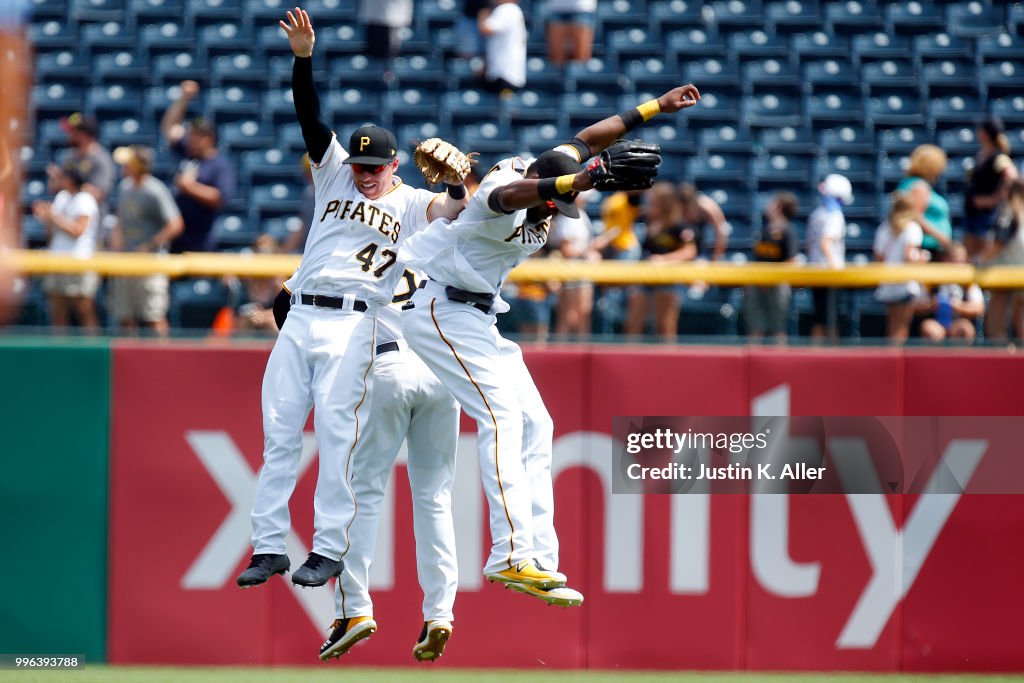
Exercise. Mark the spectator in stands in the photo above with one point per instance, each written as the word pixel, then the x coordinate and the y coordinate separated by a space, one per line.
pixel 467 29
pixel 384 21
pixel 570 30
pixel 205 181
pixel 951 312
pixel 295 243
pixel 619 242
pixel 531 304
pixel 573 237
pixel 147 221
pixel 669 240
pixel 699 210
pixel 767 308
pixel 255 310
pixel 986 184
pixel 92 159
pixel 931 210
pixel 826 246
pixel 1005 249
pixel 72 221
pixel 898 241
pixel 504 29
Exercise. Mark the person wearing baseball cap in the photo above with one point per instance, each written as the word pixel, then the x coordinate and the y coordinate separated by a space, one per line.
pixel 91 158
pixel 147 220
pixel 826 246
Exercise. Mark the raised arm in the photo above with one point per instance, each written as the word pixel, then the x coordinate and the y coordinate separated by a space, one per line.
pixel 171 124
pixel 307 103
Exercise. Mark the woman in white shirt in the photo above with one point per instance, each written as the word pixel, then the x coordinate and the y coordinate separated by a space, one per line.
pixel 72 221
pixel 898 241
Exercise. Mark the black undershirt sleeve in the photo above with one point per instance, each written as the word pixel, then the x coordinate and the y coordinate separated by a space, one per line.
pixel 307 108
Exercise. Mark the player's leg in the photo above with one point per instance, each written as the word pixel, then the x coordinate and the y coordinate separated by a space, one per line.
pixel 286 399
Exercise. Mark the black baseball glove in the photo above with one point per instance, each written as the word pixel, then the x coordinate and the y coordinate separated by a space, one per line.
pixel 282 304
pixel 625 165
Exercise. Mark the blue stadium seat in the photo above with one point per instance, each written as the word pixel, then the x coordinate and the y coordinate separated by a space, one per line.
pixel 33 234
pixel 470 106
pixel 596 74
pixel 874 46
pixel 282 228
pixel 916 16
pixel 151 11
pixel 233 103
pixel 757 44
pixel 278 106
pixel 540 75
pixel 104 101
pixel 539 138
pixel 60 66
pixel 277 199
pixel 1015 17
pixel 35 190
pixel 410 105
pixel 434 14
pixel 865 205
pixel 350 71
pixel 949 77
pixel 675 141
pixel 419 72
pixel 830 74
pixel 49 9
pixel 713 110
pixel 333 12
pixel 353 105
pixel 234 231
pixel 266 12
pixel 832 107
pixel 174 67
pixel 961 141
pixel 794 16
pixel 719 168
pixel 346 39
pixel 770 74
pixel 261 167
pixel 128 131
pixel 1002 46
pixel 636 43
pixel 245 135
pixel 652 73
pixel 888 74
pixel 57 99
pixel 196 302
pixel 223 38
pixel 52 36
pixel 726 139
pixel 106 37
pixel 165 38
pixel 619 15
pixel 1009 109
pixel 902 141
pixel 49 136
pixel 895 110
pixel 670 16
pixel 238 69
pixel 788 140
pixel 974 19
pixel 588 106
pixel 780 169
pixel 853 17
pixel 412 134
pixel 156 100
pixel 771 111
pixel 121 67
pixel 531 106
pixel 272 41
pixel 695 43
pixel 737 14
pixel 947 112
pixel 279 71
pixel 713 75
pixel 820 45
pixel 942 46
pixel 201 13
pixel 488 139
pixel 847 140
pixel 857 169
pixel 1001 78
pixel 97 10
pixel 736 201
pixel 289 136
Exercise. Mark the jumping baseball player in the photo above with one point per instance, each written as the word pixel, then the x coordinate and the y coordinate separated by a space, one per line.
pixel 451 325
pixel 324 354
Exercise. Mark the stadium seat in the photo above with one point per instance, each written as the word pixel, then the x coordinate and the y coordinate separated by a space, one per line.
pixel 49 9
pixel 788 140
pixel 652 74
pixel 847 140
pixel 895 110
pixel 947 112
pixel 196 302
pixel 289 137
pixel 1015 17
pixel 713 75
pixel 104 101
pixel 330 13
pixel 942 46
pixel 902 141
pixel 775 170
pixel 737 204
pixel 537 139
pixel 151 11
pixel 695 43
pixel 726 139
pixel 353 105
pixel 712 110
pixel 620 15
pixel 121 67
pixel 60 66
pixel 596 74
pixel 588 106
pixel 488 139
pixel 737 14
pixel 1001 46
pixel 409 105
pixel 916 16
pixel 832 107
pixel 233 103
pixel 278 106
pixel 469 106
pixel 671 16
pixel 853 16
pixel 418 72
pixel 635 43
pixel 540 75
pixel 268 12
pixel 820 45
pixel 959 141
pixel 83 11
pixel 875 46
pixel 434 14
pixel 719 168
pixel 165 38
pixel 1001 78
pixel 830 74
pixel 201 13
pixel 346 39
pixel 277 199
pixel 771 111
pixel 238 69
pixel 531 106
pixel 349 71
pixel 887 75
pixel 757 44
pixel 412 134
pixel 128 131
pixel 857 169
pixel 245 135
pixel 770 74
pixel 57 99
pixel 35 190
pixel 234 231
pixel 52 36
pixel 33 234
pixel 1009 109
pixel 109 36
pixel 794 16
pixel 282 228
pixel 272 41
pixel 156 100
pixel 172 68
pixel 223 39
pixel 973 19
pixel 675 141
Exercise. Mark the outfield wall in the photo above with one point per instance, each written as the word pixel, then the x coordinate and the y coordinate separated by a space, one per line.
pixel 868 582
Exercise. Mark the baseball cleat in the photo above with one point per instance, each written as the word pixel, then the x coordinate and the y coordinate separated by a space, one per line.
pixel 563 596
pixel 433 637
pixel 559 576
pixel 316 570
pixel 344 634
pixel 527 573
pixel 262 567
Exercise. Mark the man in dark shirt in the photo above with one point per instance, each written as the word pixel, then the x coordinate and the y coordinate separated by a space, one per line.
pixel 205 181
pixel 767 308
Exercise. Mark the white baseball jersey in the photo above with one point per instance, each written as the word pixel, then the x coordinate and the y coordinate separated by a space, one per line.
pixel 353 241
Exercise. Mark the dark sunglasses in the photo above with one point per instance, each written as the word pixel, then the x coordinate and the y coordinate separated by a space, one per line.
pixel 363 168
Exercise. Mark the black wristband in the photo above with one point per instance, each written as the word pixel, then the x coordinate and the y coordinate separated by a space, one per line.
pixel 546 188
pixel 631 118
pixel 455 191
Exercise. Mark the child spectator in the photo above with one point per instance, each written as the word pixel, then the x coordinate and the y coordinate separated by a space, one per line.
pixel 952 311
pixel 898 241
pixel 826 246
pixel 767 308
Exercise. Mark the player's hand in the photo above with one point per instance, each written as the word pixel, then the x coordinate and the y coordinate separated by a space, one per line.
pixel 300 32
pixel 679 98
pixel 189 89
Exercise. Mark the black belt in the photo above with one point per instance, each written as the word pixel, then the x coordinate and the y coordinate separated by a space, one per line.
pixel 387 347
pixel 323 301
pixel 479 301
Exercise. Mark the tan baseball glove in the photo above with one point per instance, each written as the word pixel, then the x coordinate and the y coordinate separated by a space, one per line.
pixel 442 162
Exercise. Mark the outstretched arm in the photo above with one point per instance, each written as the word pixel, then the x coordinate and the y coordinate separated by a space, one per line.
pixel 523 194
pixel 603 133
pixel 307 103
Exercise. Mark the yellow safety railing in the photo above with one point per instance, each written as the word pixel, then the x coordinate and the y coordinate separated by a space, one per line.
pixel 37 262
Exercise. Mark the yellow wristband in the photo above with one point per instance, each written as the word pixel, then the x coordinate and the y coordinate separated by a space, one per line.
pixel 563 183
pixel 649 109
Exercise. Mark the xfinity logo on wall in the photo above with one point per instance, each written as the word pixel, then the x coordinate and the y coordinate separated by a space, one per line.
pixel 895 555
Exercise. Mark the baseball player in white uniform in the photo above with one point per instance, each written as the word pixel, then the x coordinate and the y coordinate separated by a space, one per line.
pixel 451 327
pixel 324 354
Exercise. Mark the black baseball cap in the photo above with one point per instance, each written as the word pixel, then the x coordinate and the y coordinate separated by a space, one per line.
pixel 552 164
pixel 372 145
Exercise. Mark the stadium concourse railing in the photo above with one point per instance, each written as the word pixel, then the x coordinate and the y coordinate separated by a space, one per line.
pixel 32 262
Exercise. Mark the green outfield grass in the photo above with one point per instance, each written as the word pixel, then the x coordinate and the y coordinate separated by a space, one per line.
pixel 121 674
